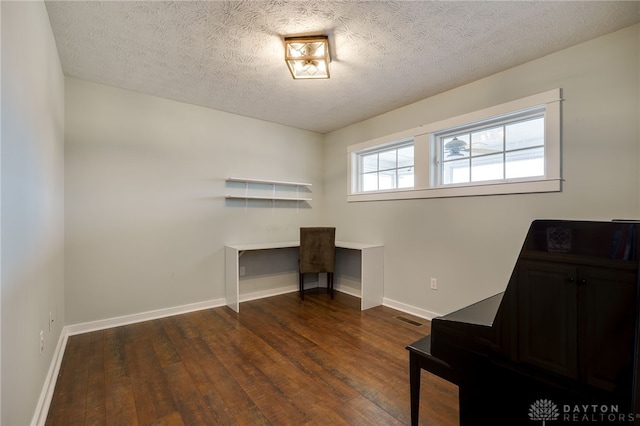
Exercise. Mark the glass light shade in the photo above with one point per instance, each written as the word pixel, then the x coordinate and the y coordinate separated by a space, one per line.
pixel 307 57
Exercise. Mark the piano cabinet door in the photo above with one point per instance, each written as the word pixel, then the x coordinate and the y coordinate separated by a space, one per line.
pixel 547 316
pixel 578 321
pixel 606 313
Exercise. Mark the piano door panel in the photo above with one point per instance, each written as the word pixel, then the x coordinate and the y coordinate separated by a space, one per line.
pixel 574 321
pixel 546 315
pixel 606 301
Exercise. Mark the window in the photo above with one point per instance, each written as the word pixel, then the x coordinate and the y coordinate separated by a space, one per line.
pixel 505 149
pixel 389 168
pixel 499 149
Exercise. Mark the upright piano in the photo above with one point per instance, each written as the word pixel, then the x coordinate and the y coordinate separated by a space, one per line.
pixel 559 346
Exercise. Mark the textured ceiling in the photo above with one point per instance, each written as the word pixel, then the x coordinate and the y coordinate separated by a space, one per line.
pixel 228 55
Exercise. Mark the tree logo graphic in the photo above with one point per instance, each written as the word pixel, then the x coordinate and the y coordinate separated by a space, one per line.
pixel 543 409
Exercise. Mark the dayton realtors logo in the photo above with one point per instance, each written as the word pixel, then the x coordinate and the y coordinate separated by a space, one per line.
pixel 545 410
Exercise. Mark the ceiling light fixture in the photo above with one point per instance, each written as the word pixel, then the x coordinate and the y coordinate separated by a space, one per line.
pixel 307 57
pixel 455 147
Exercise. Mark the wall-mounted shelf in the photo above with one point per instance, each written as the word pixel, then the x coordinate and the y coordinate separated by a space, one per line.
pixel 255 197
pixel 274 193
pixel 267 182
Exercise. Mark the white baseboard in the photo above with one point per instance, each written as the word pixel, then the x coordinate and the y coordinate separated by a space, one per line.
pixel 42 409
pixel 422 313
pixel 268 293
pixel 355 292
pixel 143 316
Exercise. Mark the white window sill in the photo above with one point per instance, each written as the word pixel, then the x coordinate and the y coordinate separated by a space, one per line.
pixel 499 188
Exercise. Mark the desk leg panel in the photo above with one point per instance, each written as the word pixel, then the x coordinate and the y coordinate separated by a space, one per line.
pixel 372 277
pixel 232 278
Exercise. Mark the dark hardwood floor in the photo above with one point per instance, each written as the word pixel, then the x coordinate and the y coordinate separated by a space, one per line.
pixel 279 361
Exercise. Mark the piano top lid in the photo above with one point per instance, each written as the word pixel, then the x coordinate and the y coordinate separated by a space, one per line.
pixel 480 313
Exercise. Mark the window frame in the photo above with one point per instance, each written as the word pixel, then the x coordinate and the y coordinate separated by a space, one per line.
pixel 379 144
pixel 394 146
pixel 425 155
pixel 437 176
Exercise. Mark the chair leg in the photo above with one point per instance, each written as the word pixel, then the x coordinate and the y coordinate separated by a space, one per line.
pixel 330 279
pixel 301 282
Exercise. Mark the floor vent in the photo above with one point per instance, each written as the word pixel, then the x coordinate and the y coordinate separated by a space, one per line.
pixel 412 322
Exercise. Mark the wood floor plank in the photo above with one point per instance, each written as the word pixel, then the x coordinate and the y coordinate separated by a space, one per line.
pixel 162 345
pixel 189 402
pixel 115 358
pixel 150 388
pixel 280 361
pixel 68 405
pixel 96 396
pixel 120 406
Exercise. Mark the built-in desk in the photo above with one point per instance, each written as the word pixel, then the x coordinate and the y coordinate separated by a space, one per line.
pixel 371 267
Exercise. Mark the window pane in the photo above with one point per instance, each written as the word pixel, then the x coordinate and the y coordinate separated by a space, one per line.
pixel 455 146
pixel 487 141
pixel 525 163
pixel 487 167
pixel 370 182
pixel 525 134
pixel 387 179
pixel 369 163
pixel 388 160
pixel 405 156
pixel 405 177
pixel 455 172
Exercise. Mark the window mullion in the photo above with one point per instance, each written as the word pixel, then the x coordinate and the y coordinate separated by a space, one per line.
pixel 470 177
pixel 397 182
pixel 378 171
pixel 504 152
pixel 378 174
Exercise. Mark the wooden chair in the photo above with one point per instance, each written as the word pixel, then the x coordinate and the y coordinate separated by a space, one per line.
pixel 317 254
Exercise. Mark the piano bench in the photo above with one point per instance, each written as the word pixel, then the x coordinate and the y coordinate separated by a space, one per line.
pixel 420 358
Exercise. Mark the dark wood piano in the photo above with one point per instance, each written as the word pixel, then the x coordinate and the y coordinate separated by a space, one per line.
pixel 559 344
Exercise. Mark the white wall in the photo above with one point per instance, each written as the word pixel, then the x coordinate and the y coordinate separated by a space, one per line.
pixel 470 244
pixel 145 210
pixel 32 246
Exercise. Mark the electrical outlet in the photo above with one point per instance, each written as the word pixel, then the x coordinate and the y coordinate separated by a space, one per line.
pixel 434 283
pixel 242 271
pixel 41 341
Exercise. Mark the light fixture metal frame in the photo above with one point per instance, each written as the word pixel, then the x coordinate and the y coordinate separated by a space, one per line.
pixel 291 60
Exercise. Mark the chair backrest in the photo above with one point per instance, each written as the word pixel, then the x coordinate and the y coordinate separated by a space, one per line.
pixel 317 249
